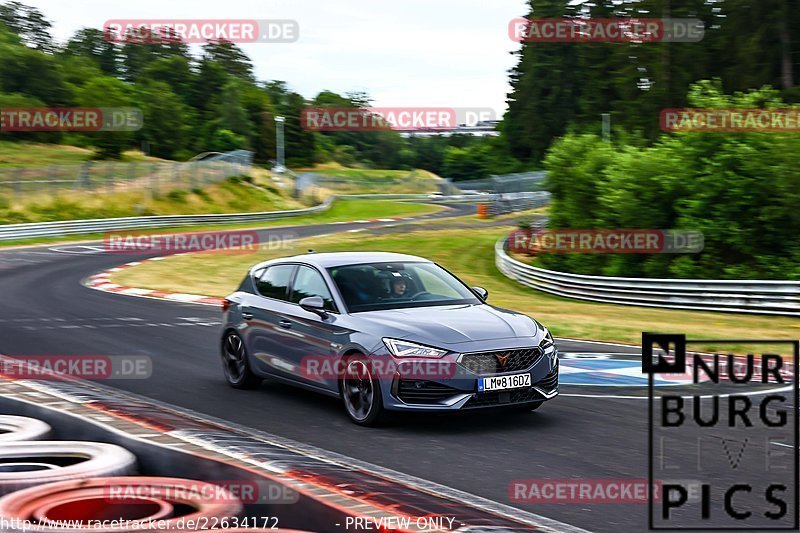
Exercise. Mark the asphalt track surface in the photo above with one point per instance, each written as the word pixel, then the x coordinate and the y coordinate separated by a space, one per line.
pixel 589 432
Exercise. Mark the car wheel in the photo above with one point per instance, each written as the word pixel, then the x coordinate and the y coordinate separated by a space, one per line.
pixel 235 364
pixel 361 392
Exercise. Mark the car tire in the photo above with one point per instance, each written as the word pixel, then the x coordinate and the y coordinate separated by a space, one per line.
pixel 170 502
pixel 27 464
pixel 361 392
pixel 20 428
pixel 235 363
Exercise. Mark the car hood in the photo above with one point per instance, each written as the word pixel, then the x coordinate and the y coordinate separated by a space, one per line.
pixel 449 324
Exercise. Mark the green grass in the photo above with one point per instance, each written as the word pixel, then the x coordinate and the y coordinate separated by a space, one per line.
pixel 470 254
pixel 26 154
pixel 229 196
pixel 341 211
pixel 358 172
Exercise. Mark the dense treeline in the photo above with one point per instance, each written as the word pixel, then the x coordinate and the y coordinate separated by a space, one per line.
pixel 197 104
pixel 562 87
pixel 214 101
pixel 742 190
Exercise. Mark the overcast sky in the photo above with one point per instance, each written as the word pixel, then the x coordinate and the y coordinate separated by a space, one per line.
pixel 450 53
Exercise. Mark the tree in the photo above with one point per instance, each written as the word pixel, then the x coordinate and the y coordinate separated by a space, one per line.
pixel 206 85
pixel 260 112
pixel 30 72
pixel 299 141
pixel 231 58
pixel 136 56
pixel 167 120
pixel 466 163
pixel 231 114
pixel 92 43
pixel 29 23
pixel 107 92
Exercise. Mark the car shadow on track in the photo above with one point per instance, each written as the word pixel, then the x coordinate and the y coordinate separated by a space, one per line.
pixel 322 409
pixel 473 422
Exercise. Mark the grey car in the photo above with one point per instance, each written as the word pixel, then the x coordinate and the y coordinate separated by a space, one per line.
pixel 383 332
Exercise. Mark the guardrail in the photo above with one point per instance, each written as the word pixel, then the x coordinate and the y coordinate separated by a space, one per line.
pixel 13 232
pixel 502 204
pixel 753 296
pixel 506 183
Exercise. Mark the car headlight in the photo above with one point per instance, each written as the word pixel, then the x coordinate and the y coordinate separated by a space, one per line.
pixel 548 341
pixel 400 348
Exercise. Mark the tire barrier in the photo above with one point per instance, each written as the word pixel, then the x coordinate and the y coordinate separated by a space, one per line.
pixel 20 428
pixel 27 464
pixel 129 504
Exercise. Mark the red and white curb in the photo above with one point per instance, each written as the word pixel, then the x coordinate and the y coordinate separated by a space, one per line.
pixel 102 281
pixel 373 220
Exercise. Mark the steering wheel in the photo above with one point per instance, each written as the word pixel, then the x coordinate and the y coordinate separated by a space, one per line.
pixel 420 293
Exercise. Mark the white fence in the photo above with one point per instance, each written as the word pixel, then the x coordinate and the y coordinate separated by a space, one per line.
pixel 12 232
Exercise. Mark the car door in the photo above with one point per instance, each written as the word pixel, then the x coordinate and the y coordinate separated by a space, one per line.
pixel 316 336
pixel 266 326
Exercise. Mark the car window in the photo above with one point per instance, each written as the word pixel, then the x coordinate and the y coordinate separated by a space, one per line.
pixel 435 284
pixel 309 282
pixel 274 282
pixel 379 286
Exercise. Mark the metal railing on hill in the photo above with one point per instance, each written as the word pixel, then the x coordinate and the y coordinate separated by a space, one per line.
pixel 18 184
pixel 507 183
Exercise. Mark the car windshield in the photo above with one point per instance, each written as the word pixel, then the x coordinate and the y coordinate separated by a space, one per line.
pixel 380 286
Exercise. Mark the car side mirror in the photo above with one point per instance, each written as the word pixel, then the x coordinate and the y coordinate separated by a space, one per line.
pixel 314 304
pixel 482 293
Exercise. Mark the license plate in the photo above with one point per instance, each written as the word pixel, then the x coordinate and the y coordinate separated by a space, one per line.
pixel 513 381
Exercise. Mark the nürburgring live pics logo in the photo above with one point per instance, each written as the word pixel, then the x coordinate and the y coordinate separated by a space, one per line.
pixel 726 456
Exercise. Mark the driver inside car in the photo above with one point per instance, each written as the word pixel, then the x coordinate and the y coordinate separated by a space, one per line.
pixel 399 288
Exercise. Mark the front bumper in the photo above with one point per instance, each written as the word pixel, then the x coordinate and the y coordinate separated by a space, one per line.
pixel 456 389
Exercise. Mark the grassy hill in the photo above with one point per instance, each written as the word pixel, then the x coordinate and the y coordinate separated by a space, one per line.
pixel 24 154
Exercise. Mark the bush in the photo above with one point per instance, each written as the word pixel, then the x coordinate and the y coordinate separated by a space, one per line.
pixel 177 195
pixel 740 189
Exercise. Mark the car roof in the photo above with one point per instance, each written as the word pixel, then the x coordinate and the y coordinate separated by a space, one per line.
pixel 334 259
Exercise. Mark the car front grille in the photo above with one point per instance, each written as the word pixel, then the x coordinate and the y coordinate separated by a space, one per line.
pixel 419 391
pixel 549 384
pixel 495 362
